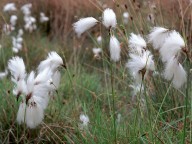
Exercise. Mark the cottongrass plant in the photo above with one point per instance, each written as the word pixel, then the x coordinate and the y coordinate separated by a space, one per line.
pixel 13 21
pixel 84 24
pixel 30 21
pixel 109 21
pixel 9 7
pixel 125 18
pixel 96 52
pixel 84 122
pixel 140 63
pixel 99 39
pixel 17 41
pixel 34 88
pixel 43 18
pixel 114 48
pixel 170 45
pixel 7 29
pixel 109 18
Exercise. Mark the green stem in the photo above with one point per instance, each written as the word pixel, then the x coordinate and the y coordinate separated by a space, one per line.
pixel 186 100
pixel 149 113
pixel 161 105
pixel 24 121
pixel 138 106
pixel 113 105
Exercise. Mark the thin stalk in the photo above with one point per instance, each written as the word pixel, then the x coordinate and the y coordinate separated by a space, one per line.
pixel 17 127
pixel 24 122
pixel 161 105
pixel 113 104
pixel 186 100
pixel 138 105
pixel 149 113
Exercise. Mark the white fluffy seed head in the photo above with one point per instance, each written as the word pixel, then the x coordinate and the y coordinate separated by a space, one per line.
pixel 53 61
pixel 179 77
pixel 84 24
pixel 109 18
pixel 137 44
pixel 13 20
pixel 138 63
pixel 34 114
pixel 43 18
pixel 99 39
pixel 125 17
pixel 20 87
pixel 56 80
pixel 174 70
pixel 17 68
pixel 20 32
pixel 9 7
pixel 96 51
pixel 136 88
pixel 157 36
pixel 26 9
pixel 43 76
pixel 84 119
pixel 172 46
pixel 114 48
pixel 21 113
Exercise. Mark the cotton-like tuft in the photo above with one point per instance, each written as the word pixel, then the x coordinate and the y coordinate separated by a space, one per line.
pixel 26 9
pixel 19 88
pixel 53 61
pixel 7 29
pixel 17 68
pixel 174 70
pixel 109 18
pixel 125 17
pixel 96 51
pixel 56 80
pixel 114 48
pixel 34 114
pixel 99 39
pixel 180 77
pixel 136 89
pixel 84 24
pixel 84 119
pixel 13 20
pixel 9 7
pixel 172 46
pixel 21 113
pixel 157 36
pixel 137 44
pixel 43 18
pixel 43 76
pixel 20 33
pixel 138 63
